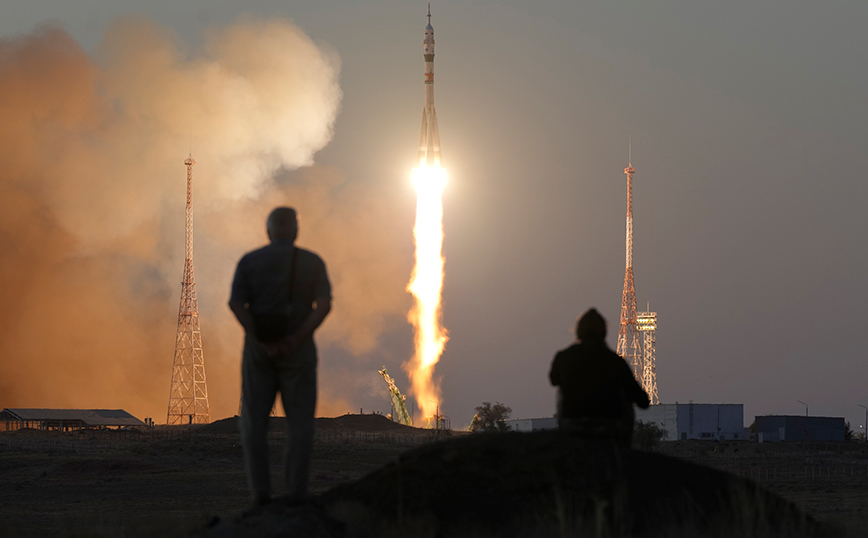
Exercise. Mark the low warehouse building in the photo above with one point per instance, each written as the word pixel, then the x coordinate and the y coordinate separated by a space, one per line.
pixel 66 419
pixel 532 424
pixel 697 421
pixel 774 428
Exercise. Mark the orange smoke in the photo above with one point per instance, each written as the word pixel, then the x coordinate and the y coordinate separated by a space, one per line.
pixel 426 285
pixel 92 191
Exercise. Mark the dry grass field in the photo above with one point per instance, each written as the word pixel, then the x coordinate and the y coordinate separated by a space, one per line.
pixel 173 481
pixel 168 481
pixel 829 481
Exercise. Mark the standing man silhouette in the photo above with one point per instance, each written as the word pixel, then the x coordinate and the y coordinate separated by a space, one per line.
pixel 280 295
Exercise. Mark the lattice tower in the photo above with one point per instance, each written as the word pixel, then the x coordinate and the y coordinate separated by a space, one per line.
pixel 398 399
pixel 647 324
pixel 188 396
pixel 629 345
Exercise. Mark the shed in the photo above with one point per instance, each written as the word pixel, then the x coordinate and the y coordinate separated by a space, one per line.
pixel 67 419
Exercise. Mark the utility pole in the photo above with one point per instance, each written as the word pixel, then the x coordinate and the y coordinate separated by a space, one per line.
pixel 865 431
pixel 188 395
pixel 806 406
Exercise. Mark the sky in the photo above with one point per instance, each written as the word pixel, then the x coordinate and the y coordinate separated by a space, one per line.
pixel 747 125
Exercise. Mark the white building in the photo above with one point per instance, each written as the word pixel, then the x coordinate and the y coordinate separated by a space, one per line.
pixel 532 424
pixel 697 421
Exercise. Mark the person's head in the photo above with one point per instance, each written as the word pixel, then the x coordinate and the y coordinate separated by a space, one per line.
pixel 591 326
pixel 282 223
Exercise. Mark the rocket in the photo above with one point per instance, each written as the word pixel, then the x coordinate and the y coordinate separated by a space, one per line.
pixel 429 138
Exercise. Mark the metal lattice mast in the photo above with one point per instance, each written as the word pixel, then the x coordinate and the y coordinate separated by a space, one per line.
pixel 629 345
pixel 647 324
pixel 188 396
pixel 398 399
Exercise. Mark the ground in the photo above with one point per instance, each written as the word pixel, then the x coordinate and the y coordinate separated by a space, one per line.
pixel 175 481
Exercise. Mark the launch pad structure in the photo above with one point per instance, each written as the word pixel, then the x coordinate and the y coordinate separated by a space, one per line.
pixel 639 353
pixel 398 399
pixel 646 323
pixel 188 395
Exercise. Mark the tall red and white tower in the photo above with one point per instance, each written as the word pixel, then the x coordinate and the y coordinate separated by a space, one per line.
pixel 629 341
pixel 188 395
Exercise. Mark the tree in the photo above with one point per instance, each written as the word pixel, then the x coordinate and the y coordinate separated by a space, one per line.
pixel 490 418
pixel 848 432
pixel 647 435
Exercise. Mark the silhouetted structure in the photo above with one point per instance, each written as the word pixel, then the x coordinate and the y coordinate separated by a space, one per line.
pixel 188 395
pixel 597 388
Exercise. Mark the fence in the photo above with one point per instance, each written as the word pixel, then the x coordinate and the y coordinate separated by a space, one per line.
pixel 770 474
pixel 51 446
pixel 389 438
pixel 90 442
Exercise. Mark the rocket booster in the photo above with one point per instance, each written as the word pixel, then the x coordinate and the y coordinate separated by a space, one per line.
pixel 429 139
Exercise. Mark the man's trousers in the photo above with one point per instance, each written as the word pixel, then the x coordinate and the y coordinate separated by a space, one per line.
pixel 261 378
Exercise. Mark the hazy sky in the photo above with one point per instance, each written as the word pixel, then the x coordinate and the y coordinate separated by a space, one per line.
pixel 748 127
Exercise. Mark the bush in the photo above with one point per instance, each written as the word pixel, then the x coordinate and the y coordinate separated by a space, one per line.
pixel 647 435
pixel 490 418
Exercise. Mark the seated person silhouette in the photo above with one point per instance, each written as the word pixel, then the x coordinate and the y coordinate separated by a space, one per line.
pixel 597 389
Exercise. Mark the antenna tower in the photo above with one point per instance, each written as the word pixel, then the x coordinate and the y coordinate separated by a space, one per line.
pixel 188 396
pixel 629 345
pixel 647 324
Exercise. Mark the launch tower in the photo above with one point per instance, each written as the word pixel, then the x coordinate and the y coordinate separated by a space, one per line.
pixel 629 344
pixel 188 396
pixel 398 400
pixel 646 322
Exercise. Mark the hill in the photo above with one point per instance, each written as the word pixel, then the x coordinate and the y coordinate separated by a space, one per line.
pixel 535 484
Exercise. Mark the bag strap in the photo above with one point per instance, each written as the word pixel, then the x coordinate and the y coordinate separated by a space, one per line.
pixel 292 272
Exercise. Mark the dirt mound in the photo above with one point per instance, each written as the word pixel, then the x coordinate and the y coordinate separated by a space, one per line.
pixel 541 484
pixel 365 423
pixel 231 425
pixel 279 519
pixel 224 425
pixel 550 484
pixel 354 423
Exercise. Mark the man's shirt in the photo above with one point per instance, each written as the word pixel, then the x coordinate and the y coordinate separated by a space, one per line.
pixel 262 281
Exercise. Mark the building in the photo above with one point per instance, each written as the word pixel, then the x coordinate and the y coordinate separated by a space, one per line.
pixel 774 428
pixel 697 421
pixel 532 424
pixel 66 419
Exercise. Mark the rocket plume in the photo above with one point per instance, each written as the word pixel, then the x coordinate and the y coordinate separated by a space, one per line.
pixel 426 285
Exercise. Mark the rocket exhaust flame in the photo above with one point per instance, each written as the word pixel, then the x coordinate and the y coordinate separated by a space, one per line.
pixel 426 285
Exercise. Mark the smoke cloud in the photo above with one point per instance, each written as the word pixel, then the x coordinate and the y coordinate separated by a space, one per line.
pixel 91 206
